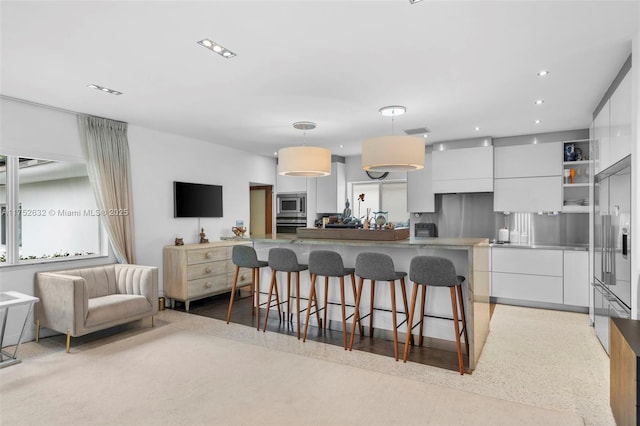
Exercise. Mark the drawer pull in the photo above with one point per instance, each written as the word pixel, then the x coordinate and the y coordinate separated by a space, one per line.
pixel 243 277
pixel 209 255
pixel 207 284
pixel 208 270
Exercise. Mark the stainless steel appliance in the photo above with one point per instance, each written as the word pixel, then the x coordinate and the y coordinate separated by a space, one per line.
pixel 291 205
pixel 425 230
pixel 291 212
pixel 612 253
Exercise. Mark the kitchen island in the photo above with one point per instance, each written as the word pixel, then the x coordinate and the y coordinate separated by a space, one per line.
pixel 469 255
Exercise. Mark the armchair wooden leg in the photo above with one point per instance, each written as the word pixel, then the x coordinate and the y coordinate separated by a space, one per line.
pixel 37 331
pixel 153 324
pixel 68 340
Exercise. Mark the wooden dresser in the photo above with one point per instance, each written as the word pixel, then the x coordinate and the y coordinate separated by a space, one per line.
pixel 196 271
pixel 624 348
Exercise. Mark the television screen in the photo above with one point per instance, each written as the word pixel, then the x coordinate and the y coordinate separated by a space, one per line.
pixel 196 200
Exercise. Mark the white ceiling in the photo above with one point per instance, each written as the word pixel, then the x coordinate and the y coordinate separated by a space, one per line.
pixel 454 65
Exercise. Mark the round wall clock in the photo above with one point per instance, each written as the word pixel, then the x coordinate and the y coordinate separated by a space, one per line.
pixel 377 175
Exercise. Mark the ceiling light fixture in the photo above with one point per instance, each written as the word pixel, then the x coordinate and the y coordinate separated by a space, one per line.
pixel 215 47
pixel 539 102
pixel 477 129
pixel 309 161
pixel 414 1
pixel 393 153
pixel 543 73
pixel 104 89
pixel 538 121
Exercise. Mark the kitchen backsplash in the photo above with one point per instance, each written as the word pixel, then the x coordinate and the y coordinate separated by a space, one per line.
pixel 472 216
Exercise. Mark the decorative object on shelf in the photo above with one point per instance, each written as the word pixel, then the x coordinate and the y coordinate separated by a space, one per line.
pixel 179 241
pixel 239 231
pixel 393 153
pixel 570 152
pixel 366 223
pixel 380 219
pixel 203 240
pixel 310 161
pixel 578 152
pixel 567 173
pixel 346 213
pixel 572 175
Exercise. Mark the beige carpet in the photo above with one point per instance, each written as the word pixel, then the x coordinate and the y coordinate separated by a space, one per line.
pixel 196 370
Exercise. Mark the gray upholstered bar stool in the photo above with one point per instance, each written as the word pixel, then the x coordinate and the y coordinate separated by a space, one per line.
pixel 379 267
pixel 437 272
pixel 245 257
pixel 328 264
pixel 284 260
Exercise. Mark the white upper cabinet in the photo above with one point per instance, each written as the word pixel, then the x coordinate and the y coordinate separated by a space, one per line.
pixel 620 121
pixel 531 160
pixel 331 191
pixel 420 197
pixel 601 139
pixel 534 194
pixel 463 170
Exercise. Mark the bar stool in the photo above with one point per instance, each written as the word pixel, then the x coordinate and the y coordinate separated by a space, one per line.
pixel 245 257
pixel 284 260
pixel 379 267
pixel 328 264
pixel 437 272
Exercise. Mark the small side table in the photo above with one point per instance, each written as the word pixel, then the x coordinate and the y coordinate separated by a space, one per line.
pixel 8 300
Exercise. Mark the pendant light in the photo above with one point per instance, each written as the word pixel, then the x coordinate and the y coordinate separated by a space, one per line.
pixel 393 153
pixel 309 161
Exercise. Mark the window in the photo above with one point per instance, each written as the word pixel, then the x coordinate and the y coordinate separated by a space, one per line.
pixel 48 211
pixel 389 197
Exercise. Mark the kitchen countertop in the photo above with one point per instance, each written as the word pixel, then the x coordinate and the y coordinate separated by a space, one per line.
pixel 406 243
pixel 582 247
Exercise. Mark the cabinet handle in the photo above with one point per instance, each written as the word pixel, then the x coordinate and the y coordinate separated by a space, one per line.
pixel 207 284
pixel 208 270
pixel 209 255
pixel 243 277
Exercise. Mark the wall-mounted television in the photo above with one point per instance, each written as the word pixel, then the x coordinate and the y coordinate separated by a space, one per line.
pixel 196 200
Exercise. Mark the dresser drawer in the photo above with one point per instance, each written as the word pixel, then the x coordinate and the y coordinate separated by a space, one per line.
pixel 244 276
pixel 204 286
pixel 202 270
pixel 207 255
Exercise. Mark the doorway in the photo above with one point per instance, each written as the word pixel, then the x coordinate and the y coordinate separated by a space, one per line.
pixel 261 208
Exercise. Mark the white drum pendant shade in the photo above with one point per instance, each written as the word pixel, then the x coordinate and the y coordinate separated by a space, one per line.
pixel 393 154
pixel 311 161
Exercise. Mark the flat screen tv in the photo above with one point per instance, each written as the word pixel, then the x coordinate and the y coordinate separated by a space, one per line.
pixel 196 200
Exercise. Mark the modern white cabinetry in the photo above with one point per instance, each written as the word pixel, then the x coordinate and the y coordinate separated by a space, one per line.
pixel 620 121
pixel 527 274
pixel 291 184
pixel 612 127
pixel 528 178
pixel 531 160
pixel 331 191
pixel 463 170
pixel 540 277
pixel 420 196
pixel 576 278
pixel 532 194
pixel 575 190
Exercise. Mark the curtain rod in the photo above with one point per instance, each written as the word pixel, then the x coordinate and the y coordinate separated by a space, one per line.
pixel 54 108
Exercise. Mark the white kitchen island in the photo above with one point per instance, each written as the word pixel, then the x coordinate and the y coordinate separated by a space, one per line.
pixel 469 255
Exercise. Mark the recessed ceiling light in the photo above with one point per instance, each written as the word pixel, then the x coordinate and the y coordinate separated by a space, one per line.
pixel 426 135
pixel 104 89
pixel 477 129
pixel 543 73
pixel 215 47
pixel 539 102
pixel 414 1
pixel 275 153
pixel 538 121
pixel 341 146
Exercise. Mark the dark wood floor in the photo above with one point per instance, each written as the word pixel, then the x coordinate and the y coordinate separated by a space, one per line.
pixel 216 307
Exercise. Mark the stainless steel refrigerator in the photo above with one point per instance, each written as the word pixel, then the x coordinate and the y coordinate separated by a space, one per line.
pixel 612 248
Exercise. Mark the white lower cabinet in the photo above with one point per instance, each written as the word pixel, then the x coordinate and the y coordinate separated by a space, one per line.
pixel 576 278
pixel 531 276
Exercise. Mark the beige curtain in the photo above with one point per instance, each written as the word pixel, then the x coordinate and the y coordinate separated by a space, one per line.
pixel 106 150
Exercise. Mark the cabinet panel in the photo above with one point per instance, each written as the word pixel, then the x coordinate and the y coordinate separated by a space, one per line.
pixel 543 159
pixel 534 288
pixel 332 190
pixel 620 121
pixel 420 197
pixel 525 261
pixel 600 152
pixel 458 170
pixel 291 184
pixel 576 278
pixel 202 270
pixel 528 194
pixel 206 286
